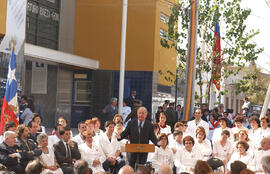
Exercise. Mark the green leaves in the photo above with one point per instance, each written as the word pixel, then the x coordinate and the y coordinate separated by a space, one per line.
pixel 237 48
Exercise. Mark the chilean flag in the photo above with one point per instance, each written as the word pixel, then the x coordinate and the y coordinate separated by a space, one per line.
pixel 216 70
pixel 10 105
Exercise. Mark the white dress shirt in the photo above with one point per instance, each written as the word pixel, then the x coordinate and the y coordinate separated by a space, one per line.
pixel 162 156
pixel 217 134
pixel 257 165
pixel 247 159
pixel 90 154
pixel 109 147
pixel 78 139
pixel 222 151
pixel 192 126
pixel 166 130
pixel 205 148
pixel 264 133
pixel 53 139
pixel 185 160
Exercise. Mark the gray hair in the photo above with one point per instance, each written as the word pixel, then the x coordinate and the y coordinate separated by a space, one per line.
pixel 142 107
pixel 266 163
pixel 165 169
pixel 113 99
pixel 126 169
pixel 41 136
pixel 7 134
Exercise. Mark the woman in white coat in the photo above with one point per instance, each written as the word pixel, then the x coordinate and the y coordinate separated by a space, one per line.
pixel 202 144
pixel 47 157
pixel 187 157
pixel 241 154
pixel 162 154
pixel 91 153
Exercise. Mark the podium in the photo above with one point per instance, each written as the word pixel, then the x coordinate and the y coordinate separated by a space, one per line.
pixel 140 148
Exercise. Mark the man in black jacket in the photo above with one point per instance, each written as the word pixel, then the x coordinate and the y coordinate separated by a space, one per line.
pixel 66 151
pixel 10 153
pixel 139 131
pixel 29 148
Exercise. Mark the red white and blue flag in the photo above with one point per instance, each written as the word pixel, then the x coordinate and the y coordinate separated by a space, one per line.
pixel 216 69
pixel 10 105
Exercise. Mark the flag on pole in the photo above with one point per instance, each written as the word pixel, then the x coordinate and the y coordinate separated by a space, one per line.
pixel 216 69
pixel 10 103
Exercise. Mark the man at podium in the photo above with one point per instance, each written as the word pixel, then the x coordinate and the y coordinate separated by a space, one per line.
pixel 139 131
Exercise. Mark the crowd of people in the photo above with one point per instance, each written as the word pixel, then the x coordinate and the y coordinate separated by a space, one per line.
pixel 212 141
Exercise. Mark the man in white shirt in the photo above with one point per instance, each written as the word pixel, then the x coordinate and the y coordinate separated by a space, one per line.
pixel 79 138
pixel 53 139
pixel 265 143
pixel 192 125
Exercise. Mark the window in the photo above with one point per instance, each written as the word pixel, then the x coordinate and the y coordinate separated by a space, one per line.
pixel 164 18
pixel 163 34
pixel 83 91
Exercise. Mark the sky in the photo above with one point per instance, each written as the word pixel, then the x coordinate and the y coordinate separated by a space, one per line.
pixel 260 19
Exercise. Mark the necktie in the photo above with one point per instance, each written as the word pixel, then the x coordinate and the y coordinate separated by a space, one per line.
pixel 140 127
pixel 68 155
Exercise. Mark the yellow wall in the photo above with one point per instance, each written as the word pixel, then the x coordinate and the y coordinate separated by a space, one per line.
pixel 3 14
pixel 98 35
pixel 165 59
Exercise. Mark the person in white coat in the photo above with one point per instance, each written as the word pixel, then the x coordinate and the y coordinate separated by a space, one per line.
pixel 47 158
pixel 111 148
pixel 192 125
pixel 222 149
pixel 223 126
pixel 79 138
pixel 164 128
pixel 162 154
pixel 91 153
pixel 202 144
pixel 241 154
pixel 187 157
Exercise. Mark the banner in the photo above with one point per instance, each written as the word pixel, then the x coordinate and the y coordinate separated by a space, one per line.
pixel 15 26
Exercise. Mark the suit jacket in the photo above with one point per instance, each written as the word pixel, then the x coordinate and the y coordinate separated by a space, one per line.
pixel 9 162
pixel 60 153
pixel 132 131
pixel 32 148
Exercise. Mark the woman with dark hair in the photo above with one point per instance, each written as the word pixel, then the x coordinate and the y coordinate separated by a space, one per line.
pixel 243 136
pixel 254 133
pixel 223 126
pixel 37 119
pixel 222 149
pixel 238 122
pixel 162 154
pixel 187 157
pixel 164 128
pixel 241 154
pixel 202 144
pixel 264 130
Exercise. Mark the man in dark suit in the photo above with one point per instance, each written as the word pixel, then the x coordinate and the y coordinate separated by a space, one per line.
pixel 9 153
pixel 139 131
pixel 66 151
pixel 29 149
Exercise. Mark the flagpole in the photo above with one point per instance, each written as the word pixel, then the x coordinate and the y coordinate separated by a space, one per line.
pixel 123 57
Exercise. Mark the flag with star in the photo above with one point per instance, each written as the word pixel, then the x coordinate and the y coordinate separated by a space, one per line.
pixel 10 104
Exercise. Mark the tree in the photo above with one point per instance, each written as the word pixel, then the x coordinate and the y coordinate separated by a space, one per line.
pixel 256 87
pixel 237 47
